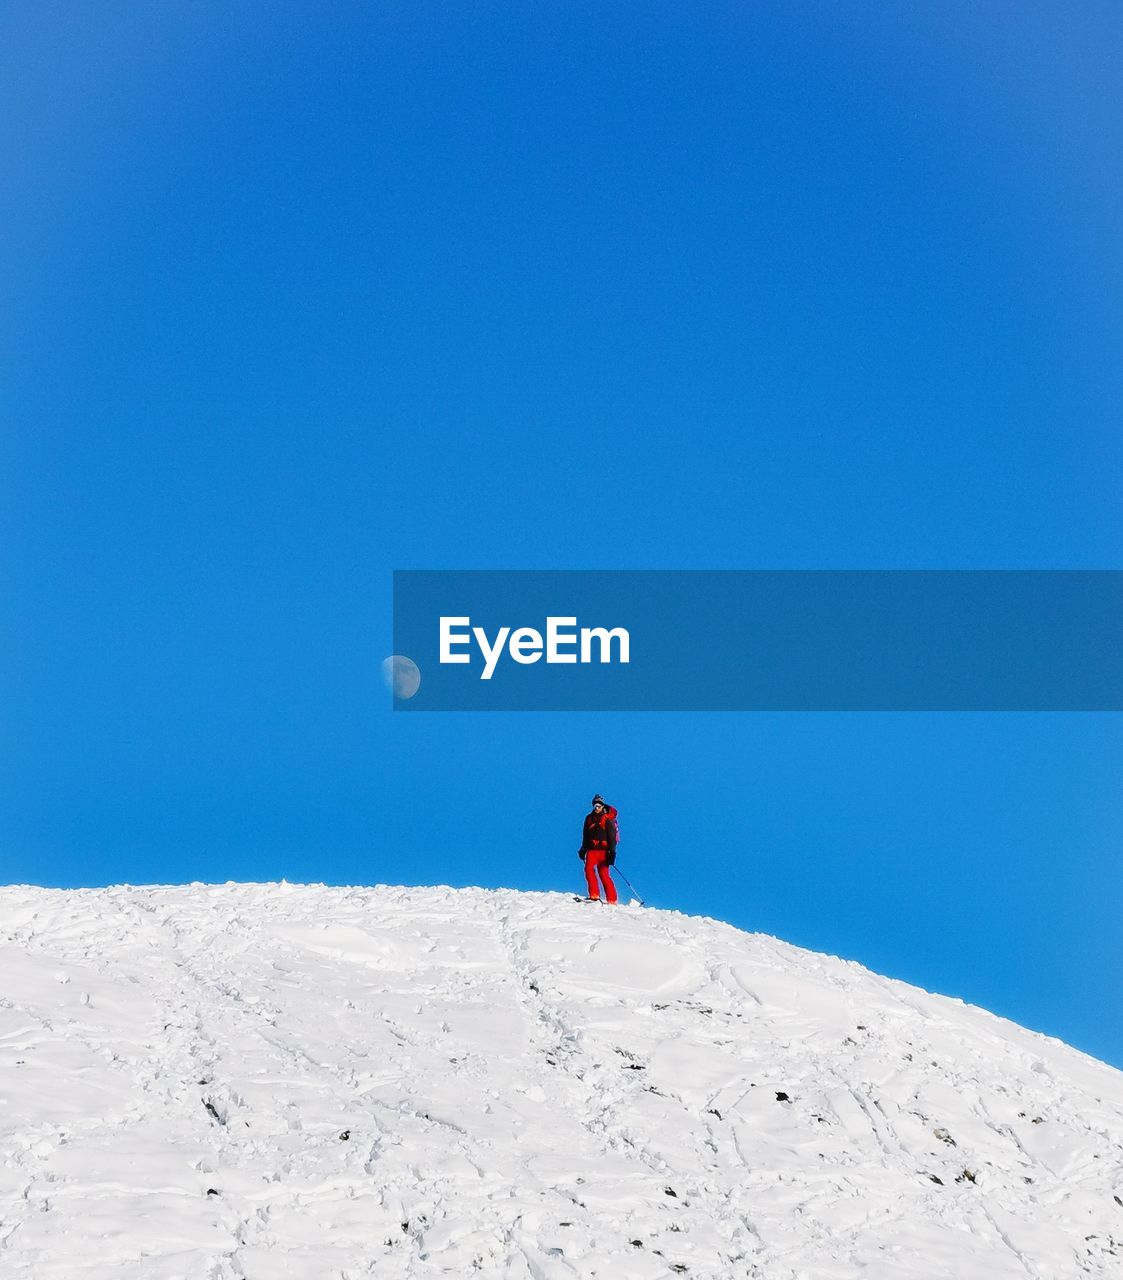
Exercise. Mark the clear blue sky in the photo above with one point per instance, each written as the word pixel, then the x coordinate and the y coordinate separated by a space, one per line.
pixel 290 298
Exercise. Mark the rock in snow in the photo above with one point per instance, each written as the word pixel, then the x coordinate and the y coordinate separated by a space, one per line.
pixel 272 1082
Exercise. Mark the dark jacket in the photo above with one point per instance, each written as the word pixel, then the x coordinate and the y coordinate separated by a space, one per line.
pixel 599 832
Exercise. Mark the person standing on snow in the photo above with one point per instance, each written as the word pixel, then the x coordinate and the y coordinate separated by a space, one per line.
pixel 598 849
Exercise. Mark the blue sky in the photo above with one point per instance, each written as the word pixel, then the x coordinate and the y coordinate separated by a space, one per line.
pixel 293 300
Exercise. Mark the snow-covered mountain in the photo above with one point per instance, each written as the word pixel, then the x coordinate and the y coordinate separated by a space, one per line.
pixel 270 1081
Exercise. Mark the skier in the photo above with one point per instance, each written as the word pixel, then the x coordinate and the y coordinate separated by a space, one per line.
pixel 598 849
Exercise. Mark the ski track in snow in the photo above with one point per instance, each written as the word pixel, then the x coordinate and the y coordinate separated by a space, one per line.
pixel 278 1082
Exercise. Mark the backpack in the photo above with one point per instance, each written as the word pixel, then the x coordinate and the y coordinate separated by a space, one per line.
pixel 610 814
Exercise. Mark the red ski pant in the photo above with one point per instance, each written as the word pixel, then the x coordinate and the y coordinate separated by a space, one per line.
pixel 595 862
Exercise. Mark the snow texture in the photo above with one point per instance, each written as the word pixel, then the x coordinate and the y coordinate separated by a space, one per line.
pixel 273 1082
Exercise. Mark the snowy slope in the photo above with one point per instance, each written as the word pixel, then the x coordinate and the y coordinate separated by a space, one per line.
pixel 268 1082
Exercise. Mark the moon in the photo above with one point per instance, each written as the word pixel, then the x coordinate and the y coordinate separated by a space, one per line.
pixel 401 676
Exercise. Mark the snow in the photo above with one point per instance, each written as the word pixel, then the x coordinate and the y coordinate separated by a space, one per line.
pixel 279 1082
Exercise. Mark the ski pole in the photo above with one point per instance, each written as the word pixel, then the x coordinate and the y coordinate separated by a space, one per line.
pixel 630 885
